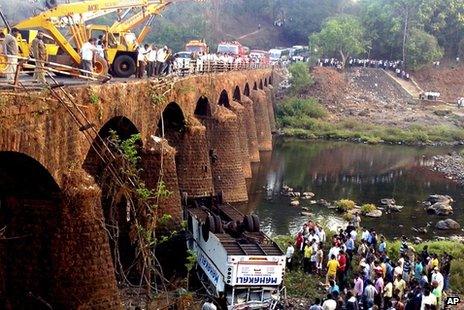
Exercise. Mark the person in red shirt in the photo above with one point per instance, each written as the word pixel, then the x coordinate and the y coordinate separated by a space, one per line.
pixel 299 240
pixel 341 272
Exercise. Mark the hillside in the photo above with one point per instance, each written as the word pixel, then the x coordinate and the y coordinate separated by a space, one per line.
pixel 370 96
pixel 446 79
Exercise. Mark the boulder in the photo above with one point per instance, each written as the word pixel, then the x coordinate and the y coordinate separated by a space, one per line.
pixel 387 202
pixel 439 208
pixel 417 240
pixel 308 195
pixel 444 199
pixel 312 202
pixel 448 224
pixel 306 214
pixel 375 213
pixel 295 203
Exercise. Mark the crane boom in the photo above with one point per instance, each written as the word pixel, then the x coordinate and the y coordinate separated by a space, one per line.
pixel 140 17
pixel 79 9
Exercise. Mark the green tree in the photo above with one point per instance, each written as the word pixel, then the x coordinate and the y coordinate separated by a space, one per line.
pixel 342 35
pixel 422 49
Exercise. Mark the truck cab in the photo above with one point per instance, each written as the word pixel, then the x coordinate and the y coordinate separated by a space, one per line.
pixel 234 257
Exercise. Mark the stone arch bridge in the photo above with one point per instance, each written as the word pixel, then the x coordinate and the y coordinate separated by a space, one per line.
pixel 52 207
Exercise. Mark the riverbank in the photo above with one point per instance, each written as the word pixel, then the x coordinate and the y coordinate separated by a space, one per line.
pixel 350 131
pixel 364 106
pixel 452 165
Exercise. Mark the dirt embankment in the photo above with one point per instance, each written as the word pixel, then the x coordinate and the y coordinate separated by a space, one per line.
pixel 446 79
pixel 371 96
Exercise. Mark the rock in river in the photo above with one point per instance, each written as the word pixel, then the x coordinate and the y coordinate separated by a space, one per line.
pixel 448 224
pixel 374 213
pixel 440 209
pixel 295 203
pixel 307 195
pixel 439 204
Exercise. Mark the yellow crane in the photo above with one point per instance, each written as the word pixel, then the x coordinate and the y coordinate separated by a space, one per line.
pixel 66 24
pixel 145 15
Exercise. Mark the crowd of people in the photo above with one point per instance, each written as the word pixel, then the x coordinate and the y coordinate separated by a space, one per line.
pixel 154 61
pixel 359 274
pixel 391 65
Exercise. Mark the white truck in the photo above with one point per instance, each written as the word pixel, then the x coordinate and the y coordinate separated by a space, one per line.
pixel 234 258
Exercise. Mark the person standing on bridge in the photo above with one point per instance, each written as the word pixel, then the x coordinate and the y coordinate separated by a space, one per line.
pixel 11 50
pixel 142 60
pixel 39 52
pixel 88 52
pixel 160 58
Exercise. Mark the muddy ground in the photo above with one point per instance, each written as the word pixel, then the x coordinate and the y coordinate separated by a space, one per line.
pixel 371 96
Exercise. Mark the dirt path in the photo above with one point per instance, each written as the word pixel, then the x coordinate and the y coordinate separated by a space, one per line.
pixel 409 86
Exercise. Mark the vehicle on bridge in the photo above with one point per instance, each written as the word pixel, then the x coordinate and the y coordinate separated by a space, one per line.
pixel 197 46
pixel 71 18
pixel 279 54
pixel 234 48
pixel 235 258
pixel 260 56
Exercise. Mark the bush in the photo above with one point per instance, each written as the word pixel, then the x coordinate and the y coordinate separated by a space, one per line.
pixel 369 133
pixel 368 208
pixel 300 77
pixel 345 205
pixel 301 107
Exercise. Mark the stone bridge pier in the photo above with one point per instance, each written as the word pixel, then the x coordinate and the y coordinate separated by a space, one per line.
pixel 60 201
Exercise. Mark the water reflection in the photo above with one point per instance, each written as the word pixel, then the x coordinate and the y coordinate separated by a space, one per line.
pixel 364 173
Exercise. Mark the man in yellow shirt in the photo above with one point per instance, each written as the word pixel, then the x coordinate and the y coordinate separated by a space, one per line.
pixel 399 286
pixel 308 252
pixel 332 266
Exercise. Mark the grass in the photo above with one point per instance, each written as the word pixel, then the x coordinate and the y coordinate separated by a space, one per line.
pixel 306 118
pixel 368 208
pixel 370 133
pixel 345 205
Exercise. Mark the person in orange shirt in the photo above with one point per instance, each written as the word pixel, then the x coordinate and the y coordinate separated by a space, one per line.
pixel 332 266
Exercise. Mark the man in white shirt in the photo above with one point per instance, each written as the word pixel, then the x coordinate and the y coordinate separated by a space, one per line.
pixel 438 277
pixel 335 250
pixel 160 58
pixel 151 59
pixel 88 51
pixel 289 255
pixel 428 299
pixel 329 303
pixel 141 60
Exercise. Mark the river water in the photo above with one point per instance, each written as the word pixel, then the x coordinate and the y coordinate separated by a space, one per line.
pixel 363 173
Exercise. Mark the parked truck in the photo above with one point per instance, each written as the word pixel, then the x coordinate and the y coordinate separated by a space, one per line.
pixel 197 46
pixel 235 259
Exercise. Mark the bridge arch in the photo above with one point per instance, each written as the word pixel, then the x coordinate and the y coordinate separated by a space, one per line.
pixel 246 90
pixel 261 84
pixel 171 123
pixel 103 164
pixel 237 94
pixel 203 108
pixel 30 212
pixel 224 99
pixel 270 80
pixel 255 86
pixel 265 82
